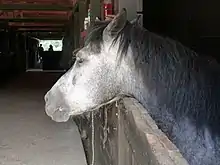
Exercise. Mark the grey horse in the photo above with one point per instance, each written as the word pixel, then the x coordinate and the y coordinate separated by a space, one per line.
pixel 179 88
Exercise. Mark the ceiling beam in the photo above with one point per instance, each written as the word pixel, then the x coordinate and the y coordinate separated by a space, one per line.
pixel 30 24
pixel 11 7
pixel 38 27
pixel 46 35
pixel 46 20
pixel 40 30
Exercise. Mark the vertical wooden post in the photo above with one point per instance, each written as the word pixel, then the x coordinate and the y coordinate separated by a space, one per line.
pixel 82 12
pixel 140 10
pixel 76 23
pixel 71 38
pixel 95 9
pixel 26 51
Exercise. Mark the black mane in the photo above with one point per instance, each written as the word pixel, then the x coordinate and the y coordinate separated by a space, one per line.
pixel 94 36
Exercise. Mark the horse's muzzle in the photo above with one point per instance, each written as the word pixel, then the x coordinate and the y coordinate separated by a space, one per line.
pixel 54 109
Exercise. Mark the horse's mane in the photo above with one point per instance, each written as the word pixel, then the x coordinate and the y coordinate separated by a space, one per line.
pixel 182 82
pixel 94 35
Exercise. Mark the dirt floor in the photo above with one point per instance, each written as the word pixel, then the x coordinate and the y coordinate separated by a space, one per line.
pixel 27 135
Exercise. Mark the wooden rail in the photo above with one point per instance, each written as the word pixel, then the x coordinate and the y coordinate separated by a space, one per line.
pixel 125 134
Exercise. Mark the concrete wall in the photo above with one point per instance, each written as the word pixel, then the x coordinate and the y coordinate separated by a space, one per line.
pixel 125 134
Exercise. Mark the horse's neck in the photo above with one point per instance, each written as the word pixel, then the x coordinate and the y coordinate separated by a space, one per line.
pixel 132 84
pixel 178 131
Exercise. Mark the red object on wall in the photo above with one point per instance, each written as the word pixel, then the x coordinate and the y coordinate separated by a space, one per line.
pixel 108 9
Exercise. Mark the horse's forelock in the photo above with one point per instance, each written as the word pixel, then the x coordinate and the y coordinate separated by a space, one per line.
pixel 94 36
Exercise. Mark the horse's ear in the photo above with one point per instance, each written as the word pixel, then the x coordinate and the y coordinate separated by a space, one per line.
pixel 97 19
pixel 136 21
pixel 117 24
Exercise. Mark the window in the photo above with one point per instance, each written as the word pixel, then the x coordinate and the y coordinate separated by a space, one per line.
pixel 57 44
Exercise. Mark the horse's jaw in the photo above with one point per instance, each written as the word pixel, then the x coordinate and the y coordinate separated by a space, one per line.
pixel 97 107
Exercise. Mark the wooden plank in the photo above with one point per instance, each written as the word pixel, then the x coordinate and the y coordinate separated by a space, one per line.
pixel 11 7
pixel 50 20
pixel 124 151
pixel 132 138
pixel 40 30
pixel 108 135
pixel 138 145
pixel 147 140
pixel 39 27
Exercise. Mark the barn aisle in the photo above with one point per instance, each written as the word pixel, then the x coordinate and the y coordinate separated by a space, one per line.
pixel 27 135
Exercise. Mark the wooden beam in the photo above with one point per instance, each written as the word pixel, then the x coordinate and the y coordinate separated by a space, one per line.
pixel 35 25
pixel 50 20
pixel 95 9
pixel 40 30
pixel 46 35
pixel 9 7
pixel 38 27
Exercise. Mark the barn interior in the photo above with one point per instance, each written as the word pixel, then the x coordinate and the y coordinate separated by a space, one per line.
pixel 26 24
pixel 28 136
pixel 25 76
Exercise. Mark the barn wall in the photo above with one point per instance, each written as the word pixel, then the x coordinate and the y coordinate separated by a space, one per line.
pixel 31 49
pixel 71 40
pixel 194 23
pixel 125 134
pixel 6 59
pixel 12 56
